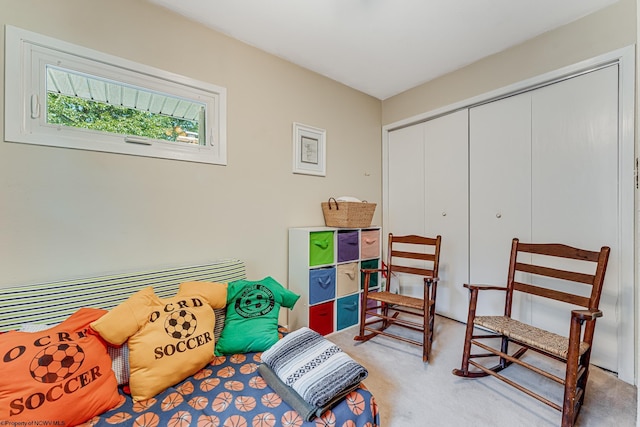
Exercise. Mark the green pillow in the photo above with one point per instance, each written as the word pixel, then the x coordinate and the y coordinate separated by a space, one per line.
pixel 251 324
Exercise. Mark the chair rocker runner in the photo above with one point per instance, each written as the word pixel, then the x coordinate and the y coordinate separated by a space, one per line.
pixel 406 255
pixel 533 270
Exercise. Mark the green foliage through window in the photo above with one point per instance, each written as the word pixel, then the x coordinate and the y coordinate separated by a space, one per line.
pixel 86 114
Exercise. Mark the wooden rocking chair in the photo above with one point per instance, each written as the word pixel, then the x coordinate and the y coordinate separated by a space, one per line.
pixel 414 255
pixel 538 278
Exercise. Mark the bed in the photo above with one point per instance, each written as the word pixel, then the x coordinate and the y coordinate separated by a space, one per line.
pixel 228 391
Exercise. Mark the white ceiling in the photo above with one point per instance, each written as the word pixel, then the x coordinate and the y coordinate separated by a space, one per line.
pixel 383 47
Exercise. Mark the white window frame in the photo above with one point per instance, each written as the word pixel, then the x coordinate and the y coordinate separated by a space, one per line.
pixel 26 56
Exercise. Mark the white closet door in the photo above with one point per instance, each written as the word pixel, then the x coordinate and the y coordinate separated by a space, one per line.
pixel 428 180
pixel 575 188
pixel 406 181
pixel 446 207
pixel 499 194
pixel 406 194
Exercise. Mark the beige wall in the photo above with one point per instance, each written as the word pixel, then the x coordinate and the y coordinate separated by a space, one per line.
pixel 70 213
pixel 604 31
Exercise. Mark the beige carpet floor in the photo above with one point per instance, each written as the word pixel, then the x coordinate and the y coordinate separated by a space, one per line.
pixel 412 393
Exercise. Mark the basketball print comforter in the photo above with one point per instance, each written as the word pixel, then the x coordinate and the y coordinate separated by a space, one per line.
pixel 229 392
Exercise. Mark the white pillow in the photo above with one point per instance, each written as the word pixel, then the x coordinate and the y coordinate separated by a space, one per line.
pixel 120 362
pixel 34 327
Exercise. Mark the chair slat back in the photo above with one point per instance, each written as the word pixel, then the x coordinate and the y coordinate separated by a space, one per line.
pixel 413 255
pixel 559 250
pixel 553 294
pixel 558 274
pixel 412 270
pixel 412 247
pixel 540 275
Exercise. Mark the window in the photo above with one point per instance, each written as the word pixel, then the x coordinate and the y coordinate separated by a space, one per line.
pixel 63 95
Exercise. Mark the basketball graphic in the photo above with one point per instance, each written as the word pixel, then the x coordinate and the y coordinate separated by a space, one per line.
pixel 180 324
pixel 56 362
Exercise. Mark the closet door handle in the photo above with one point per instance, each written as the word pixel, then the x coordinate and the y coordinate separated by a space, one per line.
pixel 498 215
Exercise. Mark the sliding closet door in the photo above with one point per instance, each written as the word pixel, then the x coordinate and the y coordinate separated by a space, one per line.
pixel 406 195
pixel 406 181
pixel 428 195
pixel 499 193
pixel 575 187
pixel 446 207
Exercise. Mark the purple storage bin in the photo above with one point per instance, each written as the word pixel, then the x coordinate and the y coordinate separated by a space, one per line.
pixel 371 304
pixel 348 246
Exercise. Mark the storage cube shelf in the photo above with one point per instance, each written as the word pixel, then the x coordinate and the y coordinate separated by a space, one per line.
pixel 324 269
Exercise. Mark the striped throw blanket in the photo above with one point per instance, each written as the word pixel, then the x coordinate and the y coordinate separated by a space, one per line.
pixel 313 366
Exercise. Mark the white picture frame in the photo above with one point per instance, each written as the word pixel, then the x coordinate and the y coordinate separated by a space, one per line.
pixel 309 150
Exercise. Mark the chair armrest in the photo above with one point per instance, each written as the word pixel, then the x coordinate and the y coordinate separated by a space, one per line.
pixel 372 270
pixel 586 314
pixel 472 287
pixel 578 317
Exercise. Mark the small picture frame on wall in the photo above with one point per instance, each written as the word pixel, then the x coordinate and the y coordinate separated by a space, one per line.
pixel 309 150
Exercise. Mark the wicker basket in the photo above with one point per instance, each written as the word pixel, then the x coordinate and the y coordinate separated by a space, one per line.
pixel 347 214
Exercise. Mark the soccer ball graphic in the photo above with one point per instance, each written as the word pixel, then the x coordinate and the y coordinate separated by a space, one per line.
pixel 255 301
pixel 180 324
pixel 56 362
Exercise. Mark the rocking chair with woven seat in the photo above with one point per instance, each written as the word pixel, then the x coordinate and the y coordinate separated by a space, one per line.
pixel 418 257
pixel 541 271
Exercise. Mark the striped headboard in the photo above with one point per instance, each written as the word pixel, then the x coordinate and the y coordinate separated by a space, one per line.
pixel 51 303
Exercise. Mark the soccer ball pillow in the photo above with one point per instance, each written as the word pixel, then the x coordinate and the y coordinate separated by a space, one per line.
pixel 58 375
pixel 253 307
pixel 168 339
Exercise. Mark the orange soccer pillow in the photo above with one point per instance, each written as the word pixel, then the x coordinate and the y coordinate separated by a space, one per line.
pixel 168 339
pixel 59 375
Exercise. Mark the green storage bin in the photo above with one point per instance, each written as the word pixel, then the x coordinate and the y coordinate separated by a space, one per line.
pixel 321 248
pixel 369 264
